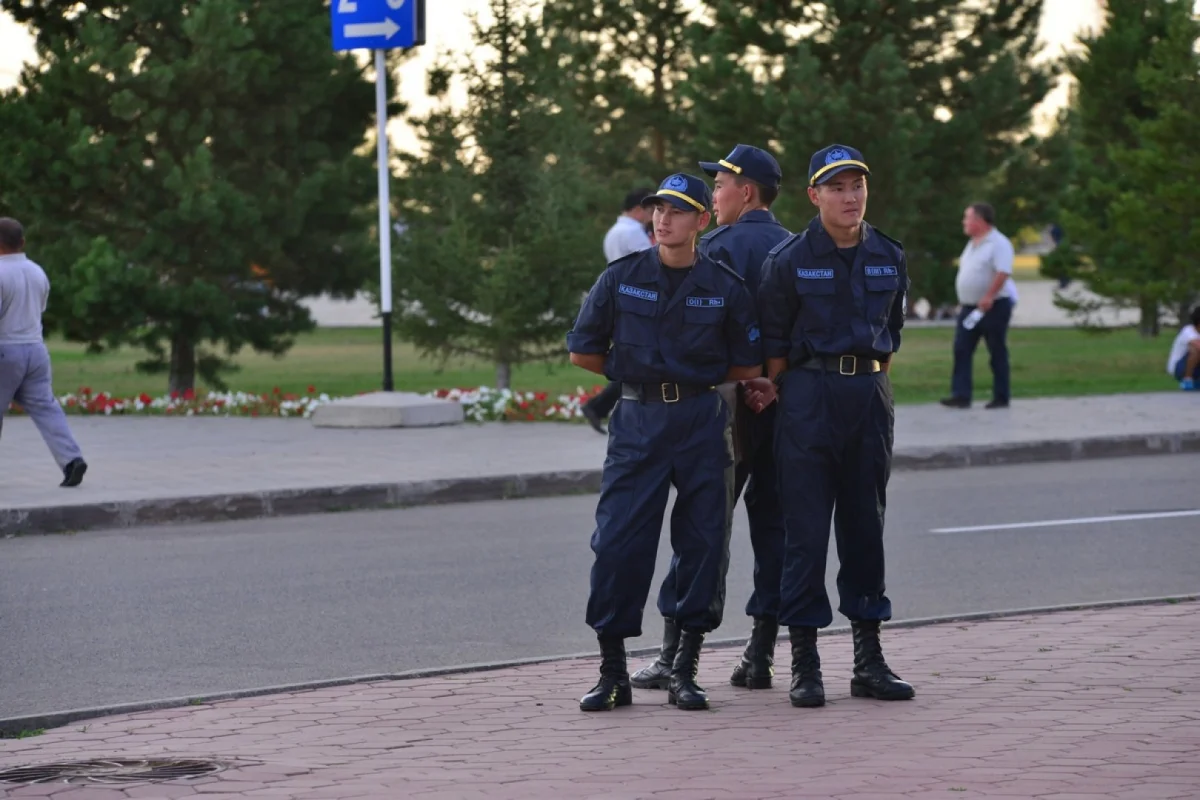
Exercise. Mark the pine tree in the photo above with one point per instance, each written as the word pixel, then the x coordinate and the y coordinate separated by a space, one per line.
pixel 503 230
pixel 187 172
pixel 1132 204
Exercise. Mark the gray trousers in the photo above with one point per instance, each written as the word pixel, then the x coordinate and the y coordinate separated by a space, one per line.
pixel 25 378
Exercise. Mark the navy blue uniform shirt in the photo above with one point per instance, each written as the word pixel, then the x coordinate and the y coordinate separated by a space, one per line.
pixel 744 245
pixel 813 301
pixel 650 336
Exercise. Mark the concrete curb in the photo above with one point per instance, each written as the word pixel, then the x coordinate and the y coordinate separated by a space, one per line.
pixel 288 502
pixel 13 726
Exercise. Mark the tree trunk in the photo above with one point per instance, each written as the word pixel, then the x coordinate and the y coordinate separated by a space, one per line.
pixel 503 375
pixel 1149 323
pixel 183 366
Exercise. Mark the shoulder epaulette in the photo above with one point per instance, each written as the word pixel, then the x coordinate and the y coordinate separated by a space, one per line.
pixel 626 257
pixel 777 249
pixel 714 233
pixel 896 242
pixel 729 269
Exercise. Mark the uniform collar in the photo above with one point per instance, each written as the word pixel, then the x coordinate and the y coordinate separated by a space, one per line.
pixel 12 257
pixel 822 243
pixel 757 215
pixel 649 269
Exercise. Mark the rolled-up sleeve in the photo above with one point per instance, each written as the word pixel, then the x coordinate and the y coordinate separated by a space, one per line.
pixel 899 305
pixel 592 334
pixel 742 331
pixel 778 305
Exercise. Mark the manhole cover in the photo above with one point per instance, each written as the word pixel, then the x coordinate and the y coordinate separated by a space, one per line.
pixel 108 771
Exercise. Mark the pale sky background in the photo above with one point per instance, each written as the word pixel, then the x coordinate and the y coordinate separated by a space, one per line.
pixel 447 28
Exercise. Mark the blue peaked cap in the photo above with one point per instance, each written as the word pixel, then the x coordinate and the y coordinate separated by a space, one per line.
pixel 685 192
pixel 750 162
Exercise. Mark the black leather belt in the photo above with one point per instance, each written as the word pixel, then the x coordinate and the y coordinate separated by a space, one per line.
pixel 661 392
pixel 843 365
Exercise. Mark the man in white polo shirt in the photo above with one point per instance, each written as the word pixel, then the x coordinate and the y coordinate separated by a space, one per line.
pixel 986 305
pixel 24 360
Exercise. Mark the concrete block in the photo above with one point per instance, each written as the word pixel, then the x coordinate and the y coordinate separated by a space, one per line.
pixel 387 410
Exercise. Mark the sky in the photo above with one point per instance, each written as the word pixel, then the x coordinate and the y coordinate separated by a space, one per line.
pixel 447 28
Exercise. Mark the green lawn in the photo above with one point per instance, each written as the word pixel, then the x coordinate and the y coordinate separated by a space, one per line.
pixel 345 361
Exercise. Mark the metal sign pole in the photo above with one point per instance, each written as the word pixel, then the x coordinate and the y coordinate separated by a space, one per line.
pixel 385 217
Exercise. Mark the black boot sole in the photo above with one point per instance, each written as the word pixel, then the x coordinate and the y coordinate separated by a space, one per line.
pixel 807 702
pixel 651 683
pixel 738 678
pixel 673 700
pixel 622 699
pixel 73 475
pixel 864 690
pixel 758 683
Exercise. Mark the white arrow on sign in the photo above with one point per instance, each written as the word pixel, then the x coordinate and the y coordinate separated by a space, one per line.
pixel 364 30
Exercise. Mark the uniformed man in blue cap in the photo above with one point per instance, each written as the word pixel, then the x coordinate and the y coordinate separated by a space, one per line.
pixel 832 303
pixel 670 324
pixel 747 184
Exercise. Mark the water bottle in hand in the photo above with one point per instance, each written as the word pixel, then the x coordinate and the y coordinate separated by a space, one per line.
pixel 972 319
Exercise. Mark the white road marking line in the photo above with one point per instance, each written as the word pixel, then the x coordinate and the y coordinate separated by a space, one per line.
pixel 1052 523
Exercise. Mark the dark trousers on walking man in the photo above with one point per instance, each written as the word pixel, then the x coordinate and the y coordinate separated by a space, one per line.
pixel 993 329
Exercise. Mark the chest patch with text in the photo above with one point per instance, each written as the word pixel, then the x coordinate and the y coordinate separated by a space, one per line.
pixel 880 272
pixel 814 274
pixel 706 302
pixel 640 294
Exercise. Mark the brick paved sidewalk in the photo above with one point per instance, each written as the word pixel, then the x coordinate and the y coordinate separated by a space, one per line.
pixel 1082 704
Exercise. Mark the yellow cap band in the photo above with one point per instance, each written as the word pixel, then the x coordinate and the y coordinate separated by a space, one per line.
pixel 683 197
pixel 734 168
pixel 835 165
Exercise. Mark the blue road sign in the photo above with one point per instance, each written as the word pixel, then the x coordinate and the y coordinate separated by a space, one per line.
pixel 377 24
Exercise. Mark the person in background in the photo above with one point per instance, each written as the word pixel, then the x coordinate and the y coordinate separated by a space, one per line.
pixel 1183 364
pixel 629 234
pixel 986 306
pixel 24 359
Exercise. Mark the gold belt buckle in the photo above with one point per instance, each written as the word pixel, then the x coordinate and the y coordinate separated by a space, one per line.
pixel 663 388
pixel 842 365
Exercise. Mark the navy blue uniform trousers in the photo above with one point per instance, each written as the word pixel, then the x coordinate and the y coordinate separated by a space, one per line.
pixel 651 447
pixel 756 474
pixel 833 453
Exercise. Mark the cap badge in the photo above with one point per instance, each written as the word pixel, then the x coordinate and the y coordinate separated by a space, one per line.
pixel 835 155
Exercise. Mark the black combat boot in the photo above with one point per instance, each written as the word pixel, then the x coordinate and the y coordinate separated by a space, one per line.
pixel 683 690
pixel 613 689
pixel 872 677
pixel 757 666
pixel 808 691
pixel 658 674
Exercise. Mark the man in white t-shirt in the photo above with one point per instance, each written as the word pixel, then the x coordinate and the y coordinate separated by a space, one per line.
pixel 1183 364
pixel 985 284
pixel 627 235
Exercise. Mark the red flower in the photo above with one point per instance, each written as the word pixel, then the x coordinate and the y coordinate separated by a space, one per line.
pixel 174 395
pixel 529 416
pixel 275 390
pixel 311 389
pixel 85 390
pixel 189 394
pixel 145 398
pixel 540 396
pixel 524 405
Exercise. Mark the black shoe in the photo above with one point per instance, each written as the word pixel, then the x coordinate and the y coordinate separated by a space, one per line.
pixel 955 402
pixel 997 404
pixel 613 689
pixel 73 472
pixel 872 677
pixel 684 691
pixel 658 674
pixel 808 690
pixel 757 665
pixel 593 419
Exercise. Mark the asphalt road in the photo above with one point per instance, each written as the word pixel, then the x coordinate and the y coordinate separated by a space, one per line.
pixel 111 617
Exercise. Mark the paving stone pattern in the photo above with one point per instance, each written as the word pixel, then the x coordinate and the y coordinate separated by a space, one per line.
pixel 1062 706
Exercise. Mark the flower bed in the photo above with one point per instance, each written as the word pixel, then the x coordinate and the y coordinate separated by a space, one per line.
pixel 484 404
